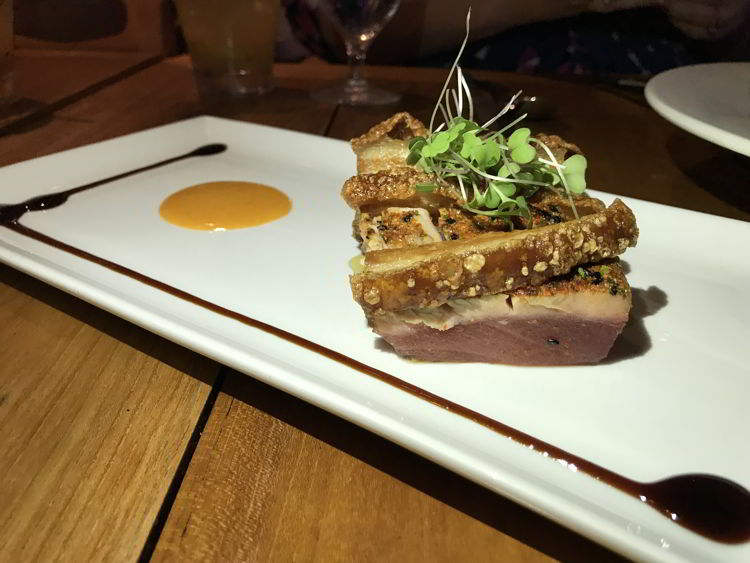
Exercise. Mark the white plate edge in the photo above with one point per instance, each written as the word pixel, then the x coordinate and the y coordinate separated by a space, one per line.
pixel 697 127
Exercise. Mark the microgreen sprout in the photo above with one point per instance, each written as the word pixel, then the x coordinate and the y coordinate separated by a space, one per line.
pixel 496 171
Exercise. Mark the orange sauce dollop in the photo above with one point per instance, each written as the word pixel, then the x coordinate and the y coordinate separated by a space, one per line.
pixel 221 206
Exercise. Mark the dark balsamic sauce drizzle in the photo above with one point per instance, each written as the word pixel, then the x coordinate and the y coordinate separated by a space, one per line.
pixel 12 213
pixel 711 506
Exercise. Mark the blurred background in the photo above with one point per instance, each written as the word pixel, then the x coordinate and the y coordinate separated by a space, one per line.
pixel 584 37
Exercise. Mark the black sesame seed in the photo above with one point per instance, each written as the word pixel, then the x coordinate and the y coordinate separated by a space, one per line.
pixel 454 236
pixel 450 220
pixel 553 341
pixel 614 289
pixel 546 215
pixel 597 278
pixel 406 218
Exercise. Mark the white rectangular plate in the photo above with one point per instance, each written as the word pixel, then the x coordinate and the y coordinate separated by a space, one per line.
pixel 673 399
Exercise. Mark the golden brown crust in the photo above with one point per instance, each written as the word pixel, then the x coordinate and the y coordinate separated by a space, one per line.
pixel 559 147
pixel 401 126
pixel 607 276
pixel 395 187
pixel 429 275
pixel 385 146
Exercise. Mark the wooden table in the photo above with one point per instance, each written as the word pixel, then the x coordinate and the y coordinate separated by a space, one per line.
pixel 118 445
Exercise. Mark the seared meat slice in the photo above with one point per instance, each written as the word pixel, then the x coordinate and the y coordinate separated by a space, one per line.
pixel 569 320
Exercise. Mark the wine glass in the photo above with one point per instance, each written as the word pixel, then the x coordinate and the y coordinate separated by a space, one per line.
pixel 358 22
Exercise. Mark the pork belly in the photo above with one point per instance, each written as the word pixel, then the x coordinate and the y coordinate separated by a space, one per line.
pixel 441 283
pixel 573 319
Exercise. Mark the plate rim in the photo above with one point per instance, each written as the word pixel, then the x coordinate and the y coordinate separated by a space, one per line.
pixel 698 127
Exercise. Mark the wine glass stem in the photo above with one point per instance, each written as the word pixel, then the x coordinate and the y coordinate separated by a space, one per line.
pixel 356 53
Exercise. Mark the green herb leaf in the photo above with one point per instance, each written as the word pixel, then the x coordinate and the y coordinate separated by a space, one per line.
pixel 468 124
pixel 416 142
pixel 478 200
pixel 575 164
pixel 414 156
pixel 492 197
pixel 509 170
pixel 493 153
pixel 505 188
pixel 519 137
pixel 575 173
pixel 471 141
pixel 523 154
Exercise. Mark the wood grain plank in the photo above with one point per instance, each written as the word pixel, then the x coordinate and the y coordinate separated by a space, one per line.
pixel 96 414
pixel 276 479
pixel 160 94
pixel 46 78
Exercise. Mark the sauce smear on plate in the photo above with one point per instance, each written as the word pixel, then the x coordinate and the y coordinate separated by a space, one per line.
pixel 222 206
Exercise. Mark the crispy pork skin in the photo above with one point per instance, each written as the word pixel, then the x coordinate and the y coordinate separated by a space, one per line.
pixel 571 320
pixel 385 145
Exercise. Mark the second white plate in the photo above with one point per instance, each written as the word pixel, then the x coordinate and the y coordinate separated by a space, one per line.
pixel 711 101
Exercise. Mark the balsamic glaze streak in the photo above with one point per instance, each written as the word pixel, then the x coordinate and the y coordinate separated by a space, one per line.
pixel 711 506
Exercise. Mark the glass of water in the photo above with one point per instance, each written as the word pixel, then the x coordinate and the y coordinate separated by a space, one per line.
pixel 358 22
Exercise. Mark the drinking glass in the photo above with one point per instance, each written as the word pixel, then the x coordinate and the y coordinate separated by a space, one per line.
pixel 231 44
pixel 6 46
pixel 358 22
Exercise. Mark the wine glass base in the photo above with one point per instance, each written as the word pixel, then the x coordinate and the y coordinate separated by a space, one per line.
pixel 355 92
